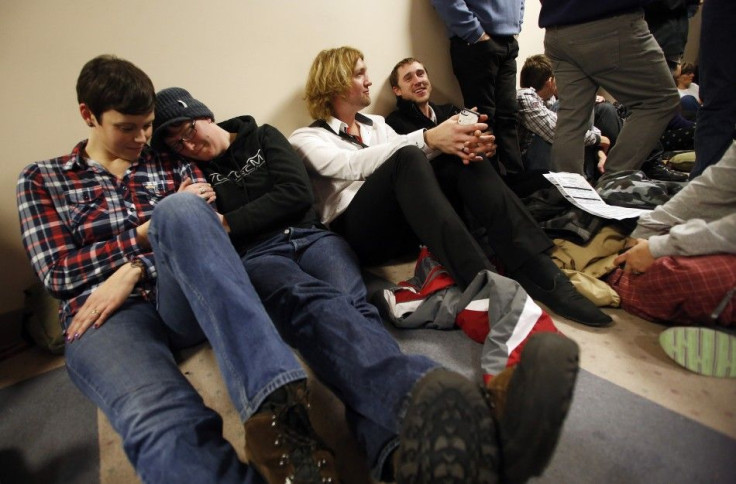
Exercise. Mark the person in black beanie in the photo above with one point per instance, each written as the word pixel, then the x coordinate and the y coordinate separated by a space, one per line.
pixel 310 283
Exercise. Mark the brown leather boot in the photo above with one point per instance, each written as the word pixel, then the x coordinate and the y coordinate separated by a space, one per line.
pixel 281 443
pixel 530 401
pixel 498 391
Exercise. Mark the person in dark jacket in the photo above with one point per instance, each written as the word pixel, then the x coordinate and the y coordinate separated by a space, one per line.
pixel 513 235
pixel 310 283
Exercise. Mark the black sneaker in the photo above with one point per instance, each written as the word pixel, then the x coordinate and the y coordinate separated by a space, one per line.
pixel 530 402
pixel 281 443
pixel 656 170
pixel 448 435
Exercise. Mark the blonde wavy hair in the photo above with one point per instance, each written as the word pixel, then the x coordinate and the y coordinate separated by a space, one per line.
pixel 330 75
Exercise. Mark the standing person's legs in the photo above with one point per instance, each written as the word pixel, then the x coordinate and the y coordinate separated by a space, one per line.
pixel 639 78
pixel 476 66
pixel 486 72
pixel 126 367
pixel 401 204
pixel 619 54
pixel 576 95
pixel 506 120
pixel 714 131
pixel 311 285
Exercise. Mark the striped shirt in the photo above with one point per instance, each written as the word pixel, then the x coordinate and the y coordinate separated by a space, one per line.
pixel 78 220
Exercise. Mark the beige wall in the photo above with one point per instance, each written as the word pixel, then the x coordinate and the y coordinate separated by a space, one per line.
pixel 238 56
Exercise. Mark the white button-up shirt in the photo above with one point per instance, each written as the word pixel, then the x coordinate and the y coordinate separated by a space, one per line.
pixel 338 166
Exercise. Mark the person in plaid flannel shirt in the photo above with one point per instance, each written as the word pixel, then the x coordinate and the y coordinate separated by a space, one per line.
pixel 116 232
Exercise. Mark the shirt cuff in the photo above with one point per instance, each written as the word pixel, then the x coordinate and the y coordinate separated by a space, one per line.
pixel 658 245
pixel 416 138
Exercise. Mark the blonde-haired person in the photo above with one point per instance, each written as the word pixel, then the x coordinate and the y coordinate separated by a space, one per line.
pixel 357 160
pixel 329 75
pixel 376 187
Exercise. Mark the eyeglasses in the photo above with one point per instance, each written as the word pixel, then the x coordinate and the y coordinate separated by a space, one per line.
pixel 187 135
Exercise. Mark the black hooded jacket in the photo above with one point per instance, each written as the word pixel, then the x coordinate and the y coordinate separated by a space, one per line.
pixel 262 186
pixel 408 118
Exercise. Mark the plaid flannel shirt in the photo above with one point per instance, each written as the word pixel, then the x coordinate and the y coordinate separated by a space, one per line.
pixel 78 220
pixel 535 117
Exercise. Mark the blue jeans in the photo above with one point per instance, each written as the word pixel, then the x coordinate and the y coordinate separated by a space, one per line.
pixel 127 367
pixel 310 283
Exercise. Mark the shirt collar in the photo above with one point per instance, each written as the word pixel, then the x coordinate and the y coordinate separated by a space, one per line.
pixel 432 114
pixel 77 160
pixel 339 126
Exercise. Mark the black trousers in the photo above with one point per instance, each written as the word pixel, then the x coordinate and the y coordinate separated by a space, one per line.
pixel 486 72
pixel 400 206
pixel 479 190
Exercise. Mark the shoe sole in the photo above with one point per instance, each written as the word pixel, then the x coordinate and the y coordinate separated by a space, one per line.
pixel 448 435
pixel 701 350
pixel 538 400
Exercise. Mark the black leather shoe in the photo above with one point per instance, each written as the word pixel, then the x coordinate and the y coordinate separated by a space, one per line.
pixel 656 170
pixel 565 300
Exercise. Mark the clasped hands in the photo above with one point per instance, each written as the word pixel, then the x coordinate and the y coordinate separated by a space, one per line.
pixel 469 142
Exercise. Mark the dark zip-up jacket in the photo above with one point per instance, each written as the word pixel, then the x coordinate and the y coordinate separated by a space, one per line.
pixel 408 118
pixel 556 13
pixel 261 185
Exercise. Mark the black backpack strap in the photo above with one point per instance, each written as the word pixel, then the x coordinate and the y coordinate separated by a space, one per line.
pixel 321 123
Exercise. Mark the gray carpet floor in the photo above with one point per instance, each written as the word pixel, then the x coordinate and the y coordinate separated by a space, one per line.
pixel 48 434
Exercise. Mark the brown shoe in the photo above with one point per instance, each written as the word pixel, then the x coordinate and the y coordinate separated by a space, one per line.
pixel 281 443
pixel 530 402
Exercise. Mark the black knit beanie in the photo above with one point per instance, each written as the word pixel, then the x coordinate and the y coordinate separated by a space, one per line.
pixel 174 105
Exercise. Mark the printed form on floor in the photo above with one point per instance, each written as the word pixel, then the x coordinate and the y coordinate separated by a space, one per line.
pixel 576 189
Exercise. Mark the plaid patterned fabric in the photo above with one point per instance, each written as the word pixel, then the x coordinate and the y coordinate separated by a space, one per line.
pixel 78 221
pixel 681 290
pixel 535 117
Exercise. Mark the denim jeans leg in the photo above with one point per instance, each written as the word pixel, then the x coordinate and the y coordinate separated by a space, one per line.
pixel 311 285
pixel 200 273
pixel 127 369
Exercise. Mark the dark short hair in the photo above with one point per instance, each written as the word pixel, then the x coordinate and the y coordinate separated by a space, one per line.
pixel 393 78
pixel 107 82
pixel 535 72
pixel 687 68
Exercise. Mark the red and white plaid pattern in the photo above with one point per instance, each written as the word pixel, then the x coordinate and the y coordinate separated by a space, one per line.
pixel 681 290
